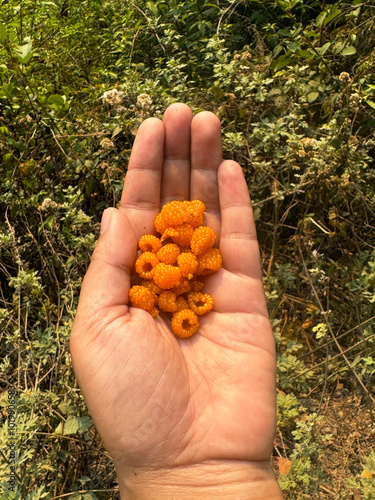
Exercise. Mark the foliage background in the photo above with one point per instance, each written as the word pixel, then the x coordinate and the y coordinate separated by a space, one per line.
pixel 293 83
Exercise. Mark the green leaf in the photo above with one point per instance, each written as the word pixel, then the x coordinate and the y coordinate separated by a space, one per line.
pixel 349 51
pixel 72 260
pixel 89 495
pixel 293 46
pixel 312 96
pixel 75 496
pixel 71 426
pixel 217 92
pixel 4 130
pixel 280 63
pixel 331 16
pixel 48 223
pixel 339 46
pixel 23 52
pixel 8 156
pixel 56 101
pixel 116 130
pixel 320 19
pixel 325 17
pixel 322 50
pixel 7 90
pixel 306 54
pixel 74 425
pixel 3 33
pixel 370 103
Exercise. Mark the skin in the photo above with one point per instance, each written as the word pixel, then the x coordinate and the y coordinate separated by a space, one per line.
pixel 182 418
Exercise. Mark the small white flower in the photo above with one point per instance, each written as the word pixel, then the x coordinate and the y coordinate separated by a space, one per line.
pixel 106 143
pixel 47 204
pixel 344 76
pixel 144 101
pixel 113 97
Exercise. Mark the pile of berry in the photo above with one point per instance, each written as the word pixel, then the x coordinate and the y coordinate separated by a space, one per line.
pixel 170 266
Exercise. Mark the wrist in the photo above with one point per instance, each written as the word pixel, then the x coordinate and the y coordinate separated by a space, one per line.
pixel 232 480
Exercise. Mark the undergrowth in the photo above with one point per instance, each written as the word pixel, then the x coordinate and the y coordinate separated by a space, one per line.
pixel 293 83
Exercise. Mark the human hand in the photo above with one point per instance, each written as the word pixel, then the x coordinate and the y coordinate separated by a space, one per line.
pixel 177 414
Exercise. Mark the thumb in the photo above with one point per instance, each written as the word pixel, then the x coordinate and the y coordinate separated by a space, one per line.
pixel 107 280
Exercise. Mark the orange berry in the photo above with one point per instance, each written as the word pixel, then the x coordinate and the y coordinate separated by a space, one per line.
pixel 168 253
pixel 167 301
pixel 149 243
pixel 141 297
pixel 170 272
pixel 166 276
pixel 154 312
pixel 196 285
pixel 185 323
pixel 181 303
pixel 200 302
pixel 174 213
pixel 184 249
pixel 182 287
pixel 180 235
pixel 188 264
pixel 160 225
pixel 203 239
pixel 151 285
pixel 145 264
pixel 195 210
pixel 209 262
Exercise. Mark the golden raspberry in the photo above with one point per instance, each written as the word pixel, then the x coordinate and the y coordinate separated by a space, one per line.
pixel 160 225
pixel 167 301
pixel 149 243
pixel 151 285
pixel 181 303
pixel 168 253
pixel 200 302
pixel 195 210
pixel 180 235
pixel 185 323
pixel 182 287
pixel 142 297
pixel 203 239
pixel 166 276
pixel 209 262
pixel 185 249
pixel 170 273
pixel 174 213
pixel 145 264
pixel 188 264
pixel 196 285
pixel 154 312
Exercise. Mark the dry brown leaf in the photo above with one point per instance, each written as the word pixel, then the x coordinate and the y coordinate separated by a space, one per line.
pixel 357 495
pixel 284 465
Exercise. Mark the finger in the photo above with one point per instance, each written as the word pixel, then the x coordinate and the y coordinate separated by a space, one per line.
pixel 141 194
pixel 234 293
pixel 206 156
pixel 107 281
pixel 176 168
pixel 238 239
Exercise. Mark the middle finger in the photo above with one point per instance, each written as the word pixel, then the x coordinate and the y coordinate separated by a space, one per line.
pixel 175 183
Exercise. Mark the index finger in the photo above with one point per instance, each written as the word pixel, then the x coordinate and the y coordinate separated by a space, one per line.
pixel 141 194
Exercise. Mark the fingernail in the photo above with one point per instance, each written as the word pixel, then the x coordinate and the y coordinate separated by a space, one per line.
pixel 106 217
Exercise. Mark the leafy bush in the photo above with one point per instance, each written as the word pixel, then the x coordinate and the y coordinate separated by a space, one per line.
pixel 293 84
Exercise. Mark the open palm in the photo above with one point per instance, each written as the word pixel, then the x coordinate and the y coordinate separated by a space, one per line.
pixel 159 401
